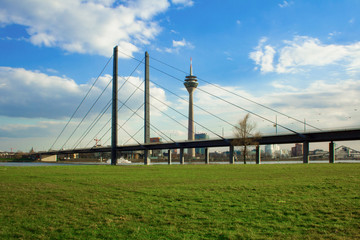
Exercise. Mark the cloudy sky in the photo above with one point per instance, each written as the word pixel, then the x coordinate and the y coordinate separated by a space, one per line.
pixel 300 58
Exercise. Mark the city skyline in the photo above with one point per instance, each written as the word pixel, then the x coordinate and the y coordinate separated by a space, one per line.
pixel 301 58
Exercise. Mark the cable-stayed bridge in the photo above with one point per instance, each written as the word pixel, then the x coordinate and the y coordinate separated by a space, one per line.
pixel 95 123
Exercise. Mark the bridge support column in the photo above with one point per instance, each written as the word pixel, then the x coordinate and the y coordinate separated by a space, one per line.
pixel 306 152
pixel 147 109
pixel 147 160
pixel 181 156
pixel 114 121
pixel 169 157
pixel 331 152
pixel 258 155
pixel 231 155
pixel 207 159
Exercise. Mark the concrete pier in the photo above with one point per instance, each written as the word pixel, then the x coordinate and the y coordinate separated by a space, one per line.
pixel 306 152
pixel 169 157
pixel 258 155
pixel 147 160
pixel 331 152
pixel 231 155
pixel 207 157
pixel 181 156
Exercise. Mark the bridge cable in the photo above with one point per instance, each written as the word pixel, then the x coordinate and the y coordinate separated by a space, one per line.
pixel 160 134
pixel 72 116
pixel 153 126
pixel 131 136
pixel 109 122
pixel 123 104
pixel 134 135
pixel 135 112
pixel 178 97
pixel 92 125
pixel 182 114
pixel 103 111
pixel 219 97
pixel 100 131
pixel 122 125
pixel 87 113
pixel 238 95
pixel 201 108
pixel 143 117
pixel 244 109
pixel 163 112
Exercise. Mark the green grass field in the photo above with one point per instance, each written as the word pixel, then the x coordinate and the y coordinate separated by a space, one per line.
pixel 297 201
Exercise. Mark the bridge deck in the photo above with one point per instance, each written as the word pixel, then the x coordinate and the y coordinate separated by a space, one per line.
pixel 341 135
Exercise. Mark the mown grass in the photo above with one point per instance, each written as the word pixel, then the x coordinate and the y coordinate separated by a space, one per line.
pixel 297 201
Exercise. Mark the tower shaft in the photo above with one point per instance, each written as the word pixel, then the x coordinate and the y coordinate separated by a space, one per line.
pixel 191 121
pixel 191 84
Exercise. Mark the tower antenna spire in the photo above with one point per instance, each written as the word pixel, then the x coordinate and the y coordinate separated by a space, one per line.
pixel 191 72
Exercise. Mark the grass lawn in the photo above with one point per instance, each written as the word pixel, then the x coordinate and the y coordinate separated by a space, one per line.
pixel 296 201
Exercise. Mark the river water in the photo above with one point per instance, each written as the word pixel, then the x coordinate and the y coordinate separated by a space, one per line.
pixel 41 164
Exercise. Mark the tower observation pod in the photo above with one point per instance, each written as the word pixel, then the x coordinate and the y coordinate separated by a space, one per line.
pixel 191 84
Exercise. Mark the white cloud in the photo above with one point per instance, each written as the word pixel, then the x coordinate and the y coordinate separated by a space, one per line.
pixel 323 105
pixel 304 52
pixel 228 56
pixel 35 95
pixel 285 4
pixel 92 26
pixel 50 70
pixel 176 46
pixel 173 31
pixel 263 56
pixel 7 38
pixel 181 43
pixel 333 34
pixel 21 130
pixel 32 94
pixel 185 3
pixel 279 85
pixel 34 105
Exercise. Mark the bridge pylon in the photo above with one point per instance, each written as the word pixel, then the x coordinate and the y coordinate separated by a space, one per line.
pixel 114 108
pixel 147 110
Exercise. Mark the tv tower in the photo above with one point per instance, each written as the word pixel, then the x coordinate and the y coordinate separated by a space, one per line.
pixel 191 84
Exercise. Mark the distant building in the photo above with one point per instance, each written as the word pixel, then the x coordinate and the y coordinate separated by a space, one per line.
pixel 297 150
pixel 201 136
pixel 272 150
pixel 284 153
pixel 3 154
pixel 155 140
pixel 156 153
pixel 343 152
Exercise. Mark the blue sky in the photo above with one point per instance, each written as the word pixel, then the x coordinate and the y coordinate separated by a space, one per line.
pixel 300 57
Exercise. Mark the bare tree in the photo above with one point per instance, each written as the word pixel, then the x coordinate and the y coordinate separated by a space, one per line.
pixel 245 135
